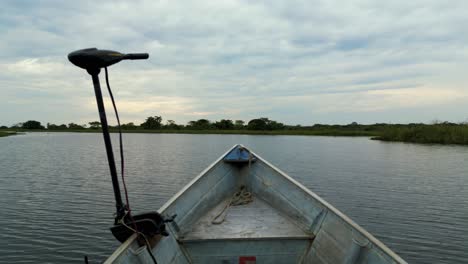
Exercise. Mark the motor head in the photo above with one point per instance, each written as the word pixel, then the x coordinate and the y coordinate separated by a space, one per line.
pixel 93 59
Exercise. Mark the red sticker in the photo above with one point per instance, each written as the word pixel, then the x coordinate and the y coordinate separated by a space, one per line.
pixel 247 260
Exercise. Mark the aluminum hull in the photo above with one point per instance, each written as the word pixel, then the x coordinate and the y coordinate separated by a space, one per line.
pixel 285 223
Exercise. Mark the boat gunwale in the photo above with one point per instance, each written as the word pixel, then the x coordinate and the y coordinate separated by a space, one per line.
pixel 337 212
pixel 310 238
pixel 194 180
pixel 330 207
pixel 120 250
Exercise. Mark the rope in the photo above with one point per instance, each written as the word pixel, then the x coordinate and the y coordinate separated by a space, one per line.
pixel 122 170
pixel 239 198
pixel 148 245
pixel 122 161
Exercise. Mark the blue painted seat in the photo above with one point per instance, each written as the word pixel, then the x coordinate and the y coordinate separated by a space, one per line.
pixel 239 155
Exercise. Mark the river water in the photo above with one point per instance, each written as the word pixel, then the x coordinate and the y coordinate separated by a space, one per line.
pixel 57 200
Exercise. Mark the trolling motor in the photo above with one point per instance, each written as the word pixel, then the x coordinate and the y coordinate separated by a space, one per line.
pixel 148 224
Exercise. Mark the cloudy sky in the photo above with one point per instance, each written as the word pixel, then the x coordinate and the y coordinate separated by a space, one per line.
pixel 298 62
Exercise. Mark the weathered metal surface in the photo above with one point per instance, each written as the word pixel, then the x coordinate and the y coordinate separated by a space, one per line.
pixel 256 220
pixel 286 223
pixel 265 251
pixel 123 253
pixel 168 251
pixel 205 194
pixel 285 196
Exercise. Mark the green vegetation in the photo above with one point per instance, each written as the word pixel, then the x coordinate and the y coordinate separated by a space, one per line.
pixel 7 133
pixel 152 122
pixel 440 133
pixel 32 124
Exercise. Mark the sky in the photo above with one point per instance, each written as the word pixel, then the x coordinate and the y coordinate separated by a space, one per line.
pixel 297 62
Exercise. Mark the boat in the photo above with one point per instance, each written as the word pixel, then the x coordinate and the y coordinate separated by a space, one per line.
pixel 280 221
pixel 241 209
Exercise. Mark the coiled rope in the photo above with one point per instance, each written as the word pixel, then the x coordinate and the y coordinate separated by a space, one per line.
pixel 241 197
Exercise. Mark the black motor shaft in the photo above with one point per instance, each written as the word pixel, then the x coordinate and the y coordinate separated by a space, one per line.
pixel 93 60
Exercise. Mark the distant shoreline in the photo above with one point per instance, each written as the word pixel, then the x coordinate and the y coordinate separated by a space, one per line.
pixel 440 133
pixel 356 133
pixel 7 133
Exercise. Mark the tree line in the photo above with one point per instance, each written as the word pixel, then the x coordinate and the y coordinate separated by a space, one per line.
pixel 437 132
pixel 156 123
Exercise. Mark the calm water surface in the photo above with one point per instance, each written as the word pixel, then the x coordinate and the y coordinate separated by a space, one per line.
pixel 57 200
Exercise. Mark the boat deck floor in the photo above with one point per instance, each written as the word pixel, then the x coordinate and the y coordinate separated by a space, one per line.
pixel 255 220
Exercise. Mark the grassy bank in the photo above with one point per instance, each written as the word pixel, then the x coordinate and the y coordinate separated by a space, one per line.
pixel 433 134
pixel 442 133
pixel 329 132
pixel 260 132
pixel 7 133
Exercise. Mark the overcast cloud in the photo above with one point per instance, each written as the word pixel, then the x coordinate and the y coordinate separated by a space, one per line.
pixel 298 62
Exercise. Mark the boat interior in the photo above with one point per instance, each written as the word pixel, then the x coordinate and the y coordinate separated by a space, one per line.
pixel 242 209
